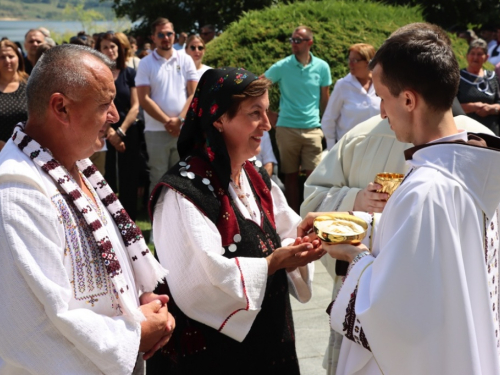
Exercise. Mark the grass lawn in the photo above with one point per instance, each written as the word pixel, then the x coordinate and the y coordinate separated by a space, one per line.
pixel 144 224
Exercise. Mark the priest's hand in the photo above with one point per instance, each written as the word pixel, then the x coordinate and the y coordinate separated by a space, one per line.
pixel 346 252
pixel 368 200
pixel 302 252
pixel 157 329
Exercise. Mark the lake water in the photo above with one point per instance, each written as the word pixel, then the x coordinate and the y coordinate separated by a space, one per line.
pixel 15 30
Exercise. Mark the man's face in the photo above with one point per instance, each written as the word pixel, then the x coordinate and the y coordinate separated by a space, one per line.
pixel 164 37
pixel 32 41
pixel 182 38
pixel 304 46
pixel 93 110
pixel 206 34
pixel 392 108
pixel 487 35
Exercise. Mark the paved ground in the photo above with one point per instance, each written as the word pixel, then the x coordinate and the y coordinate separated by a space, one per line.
pixel 312 324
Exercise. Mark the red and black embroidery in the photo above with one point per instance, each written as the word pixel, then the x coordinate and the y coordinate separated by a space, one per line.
pixel 149 273
pixel 352 326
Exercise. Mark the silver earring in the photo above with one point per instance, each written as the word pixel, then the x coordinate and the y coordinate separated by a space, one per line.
pixel 220 130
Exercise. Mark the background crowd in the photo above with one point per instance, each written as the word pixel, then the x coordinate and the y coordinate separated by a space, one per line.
pixel 125 161
pixel 157 90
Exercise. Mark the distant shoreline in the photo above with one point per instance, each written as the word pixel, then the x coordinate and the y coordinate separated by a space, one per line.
pixel 12 19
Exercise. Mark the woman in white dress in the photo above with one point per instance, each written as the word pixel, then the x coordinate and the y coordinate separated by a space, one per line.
pixel 195 47
pixel 353 99
pixel 229 239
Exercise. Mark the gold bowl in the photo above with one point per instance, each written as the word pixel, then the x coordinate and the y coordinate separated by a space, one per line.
pixel 389 182
pixel 352 234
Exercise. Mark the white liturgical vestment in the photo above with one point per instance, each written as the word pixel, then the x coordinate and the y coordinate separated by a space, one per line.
pixel 369 148
pixel 426 300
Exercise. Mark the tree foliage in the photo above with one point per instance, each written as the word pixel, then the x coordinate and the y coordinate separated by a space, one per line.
pixel 189 15
pixel 454 13
pixel 260 38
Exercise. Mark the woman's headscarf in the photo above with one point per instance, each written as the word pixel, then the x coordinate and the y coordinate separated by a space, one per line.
pixel 211 100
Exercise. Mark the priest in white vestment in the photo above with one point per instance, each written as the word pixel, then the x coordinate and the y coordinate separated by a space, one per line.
pixel 425 299
pixel 77 277
pixel 346 175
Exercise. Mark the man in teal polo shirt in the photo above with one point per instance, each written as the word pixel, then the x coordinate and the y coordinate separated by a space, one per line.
pixel 304 82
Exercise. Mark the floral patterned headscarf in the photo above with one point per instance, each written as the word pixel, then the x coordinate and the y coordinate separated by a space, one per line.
pixel 211 100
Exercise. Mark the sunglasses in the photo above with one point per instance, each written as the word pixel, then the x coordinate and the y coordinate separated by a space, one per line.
pixel 193 48
pixel 207 33
pixel 167 34
pixel 298 40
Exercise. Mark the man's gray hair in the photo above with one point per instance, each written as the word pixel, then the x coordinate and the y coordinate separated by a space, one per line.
pixel 60 69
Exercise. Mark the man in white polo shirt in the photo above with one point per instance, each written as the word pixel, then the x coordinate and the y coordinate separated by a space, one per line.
pixel 166 81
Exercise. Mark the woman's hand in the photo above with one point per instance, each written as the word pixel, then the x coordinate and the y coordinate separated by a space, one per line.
pixel 487 110
pixel 302 252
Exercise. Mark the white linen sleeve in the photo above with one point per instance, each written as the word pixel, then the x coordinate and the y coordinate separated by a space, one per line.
pixel 38 332
pixel 372 220
pixel 287 221
pixel 225 294
pixel 332 114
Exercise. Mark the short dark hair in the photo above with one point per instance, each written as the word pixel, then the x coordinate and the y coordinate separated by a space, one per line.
pixel 253 90
pixel 210 27
pixel 419 59
pixel 160 21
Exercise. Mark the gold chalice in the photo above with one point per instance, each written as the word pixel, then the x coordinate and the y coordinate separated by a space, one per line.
pixel 340 228
pixel 389 182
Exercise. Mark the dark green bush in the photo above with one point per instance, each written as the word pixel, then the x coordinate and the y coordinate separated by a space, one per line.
pixel 260 38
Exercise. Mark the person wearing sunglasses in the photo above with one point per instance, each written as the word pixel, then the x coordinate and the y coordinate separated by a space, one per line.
pixel 207 33
pixel 353 98
pixel 304 82
pixel 166 80
pixel 195 47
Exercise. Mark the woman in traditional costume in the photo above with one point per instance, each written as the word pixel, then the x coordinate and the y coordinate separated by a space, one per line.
pixel 479 91
pixel 229 239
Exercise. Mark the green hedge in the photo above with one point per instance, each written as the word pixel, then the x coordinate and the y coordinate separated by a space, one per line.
pixel 260 38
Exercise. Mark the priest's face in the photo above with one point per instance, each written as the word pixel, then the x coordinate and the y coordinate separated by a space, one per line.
pixel 393 108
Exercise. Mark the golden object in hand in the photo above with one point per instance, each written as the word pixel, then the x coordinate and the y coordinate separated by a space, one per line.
pixel 389 182
pixel 340 228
